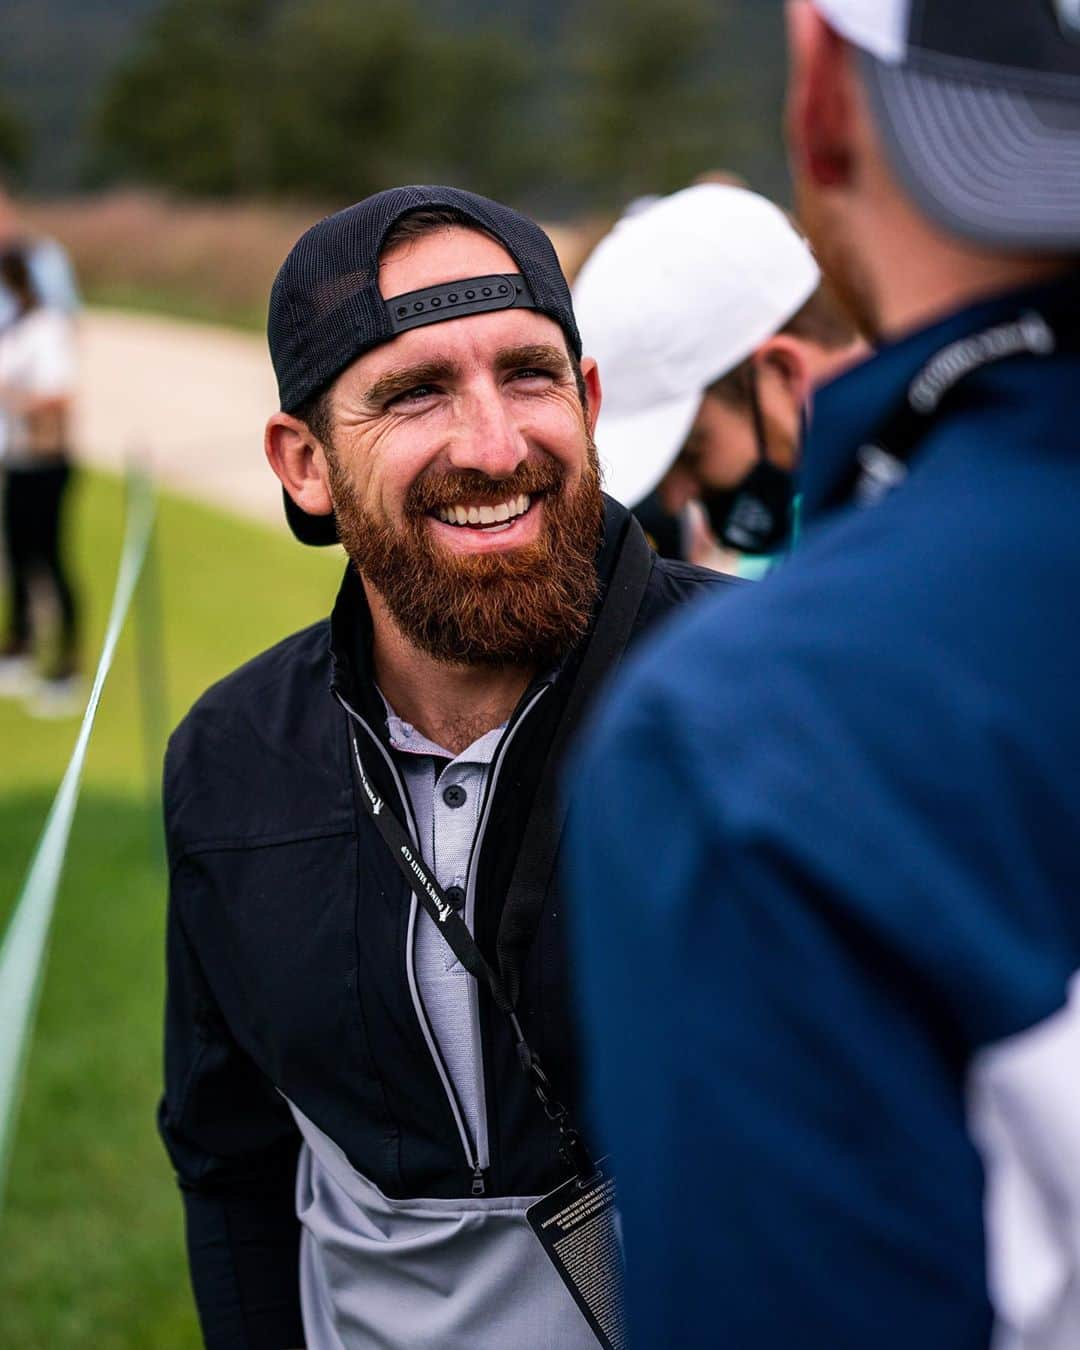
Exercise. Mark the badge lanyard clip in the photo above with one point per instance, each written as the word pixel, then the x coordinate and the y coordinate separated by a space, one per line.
pixel 572 1146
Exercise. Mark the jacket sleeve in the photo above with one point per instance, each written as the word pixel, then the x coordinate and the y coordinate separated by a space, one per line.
pixel 234 1146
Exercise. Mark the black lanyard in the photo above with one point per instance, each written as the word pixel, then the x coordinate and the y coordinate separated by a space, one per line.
pixel 536 860
pixel 882 463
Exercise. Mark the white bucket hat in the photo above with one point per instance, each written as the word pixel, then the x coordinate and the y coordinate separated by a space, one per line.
pixel 978 106
pixel 672 299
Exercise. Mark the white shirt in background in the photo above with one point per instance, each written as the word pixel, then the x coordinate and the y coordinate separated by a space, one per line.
pixel 37 358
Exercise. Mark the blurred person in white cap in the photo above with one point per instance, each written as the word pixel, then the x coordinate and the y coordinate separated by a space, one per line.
pixel 824 862
pixel 712 325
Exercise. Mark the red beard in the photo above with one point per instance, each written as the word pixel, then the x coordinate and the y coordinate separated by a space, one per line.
pixel 525 607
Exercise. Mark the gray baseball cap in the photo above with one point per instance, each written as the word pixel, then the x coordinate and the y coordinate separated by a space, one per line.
pixel 978 105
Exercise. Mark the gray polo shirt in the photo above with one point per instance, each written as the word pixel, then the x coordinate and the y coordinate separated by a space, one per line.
pixel 446 795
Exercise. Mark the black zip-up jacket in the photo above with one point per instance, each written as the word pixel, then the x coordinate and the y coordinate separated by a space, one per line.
pixel 286 960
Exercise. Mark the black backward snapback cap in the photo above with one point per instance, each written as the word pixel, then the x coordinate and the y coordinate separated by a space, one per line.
pixel 978 106
pixel 326 309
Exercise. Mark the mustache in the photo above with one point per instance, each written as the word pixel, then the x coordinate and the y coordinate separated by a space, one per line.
pixel 432 491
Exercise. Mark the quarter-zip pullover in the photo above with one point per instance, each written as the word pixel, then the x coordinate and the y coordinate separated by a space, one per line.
pixel 292 1014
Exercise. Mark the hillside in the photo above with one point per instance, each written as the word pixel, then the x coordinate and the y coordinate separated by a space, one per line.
pixel 56 57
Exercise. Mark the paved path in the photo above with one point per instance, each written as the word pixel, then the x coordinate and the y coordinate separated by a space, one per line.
pixel 190 397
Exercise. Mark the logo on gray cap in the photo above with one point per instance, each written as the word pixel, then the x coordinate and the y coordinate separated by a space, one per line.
pixel 1068 15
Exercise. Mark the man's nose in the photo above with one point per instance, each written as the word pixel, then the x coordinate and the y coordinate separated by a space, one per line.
pixel 487 437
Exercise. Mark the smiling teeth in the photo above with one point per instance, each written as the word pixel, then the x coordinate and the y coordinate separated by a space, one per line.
pixel 485 515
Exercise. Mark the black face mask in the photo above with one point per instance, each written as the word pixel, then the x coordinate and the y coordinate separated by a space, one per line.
pixel 755 515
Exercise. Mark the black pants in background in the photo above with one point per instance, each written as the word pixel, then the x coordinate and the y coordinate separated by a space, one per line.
pixel 33 503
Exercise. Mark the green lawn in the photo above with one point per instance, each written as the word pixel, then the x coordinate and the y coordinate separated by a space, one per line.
pixel 91 1234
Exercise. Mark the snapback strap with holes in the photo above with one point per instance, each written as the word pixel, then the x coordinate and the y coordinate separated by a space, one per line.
pixel 453 299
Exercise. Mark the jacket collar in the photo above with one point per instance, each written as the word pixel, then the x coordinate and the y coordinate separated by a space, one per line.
pixel 849 412
pixel 351 671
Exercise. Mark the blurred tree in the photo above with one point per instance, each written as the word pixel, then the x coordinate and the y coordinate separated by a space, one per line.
pixel 476 125
pixel 341 95
pixel 184 109
pixel 647 108
pixel 14 140
pixel 332 99
pixel 324 98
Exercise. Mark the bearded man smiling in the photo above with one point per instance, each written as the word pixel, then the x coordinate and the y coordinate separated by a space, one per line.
pixel 364 818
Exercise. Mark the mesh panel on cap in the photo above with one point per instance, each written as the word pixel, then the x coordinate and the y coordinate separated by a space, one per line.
pixel 332 293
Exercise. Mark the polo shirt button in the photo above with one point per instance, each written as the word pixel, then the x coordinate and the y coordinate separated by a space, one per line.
pixel 454 795
pixel 456 896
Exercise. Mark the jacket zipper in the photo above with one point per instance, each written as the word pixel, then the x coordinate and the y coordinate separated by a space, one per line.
pixel 472 1153
pixel 470 900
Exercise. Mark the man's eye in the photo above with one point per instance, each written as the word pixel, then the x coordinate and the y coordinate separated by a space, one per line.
pixel 413 395
pixel 533 373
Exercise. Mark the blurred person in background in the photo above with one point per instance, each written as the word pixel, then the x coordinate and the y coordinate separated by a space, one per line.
pixel 345 1104
pixel 713 326
pixel 37 379
pixel 51 273
pixel 825 858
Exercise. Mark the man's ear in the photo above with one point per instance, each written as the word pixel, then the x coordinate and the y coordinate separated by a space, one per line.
pixel 590 373
pixel 299 461
pixel 820 99
pixel 785 358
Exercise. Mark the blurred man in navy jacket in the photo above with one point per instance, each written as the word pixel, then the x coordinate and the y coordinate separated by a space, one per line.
pixel 827 842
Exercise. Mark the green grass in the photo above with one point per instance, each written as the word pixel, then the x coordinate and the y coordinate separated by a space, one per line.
pixel 91 1249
